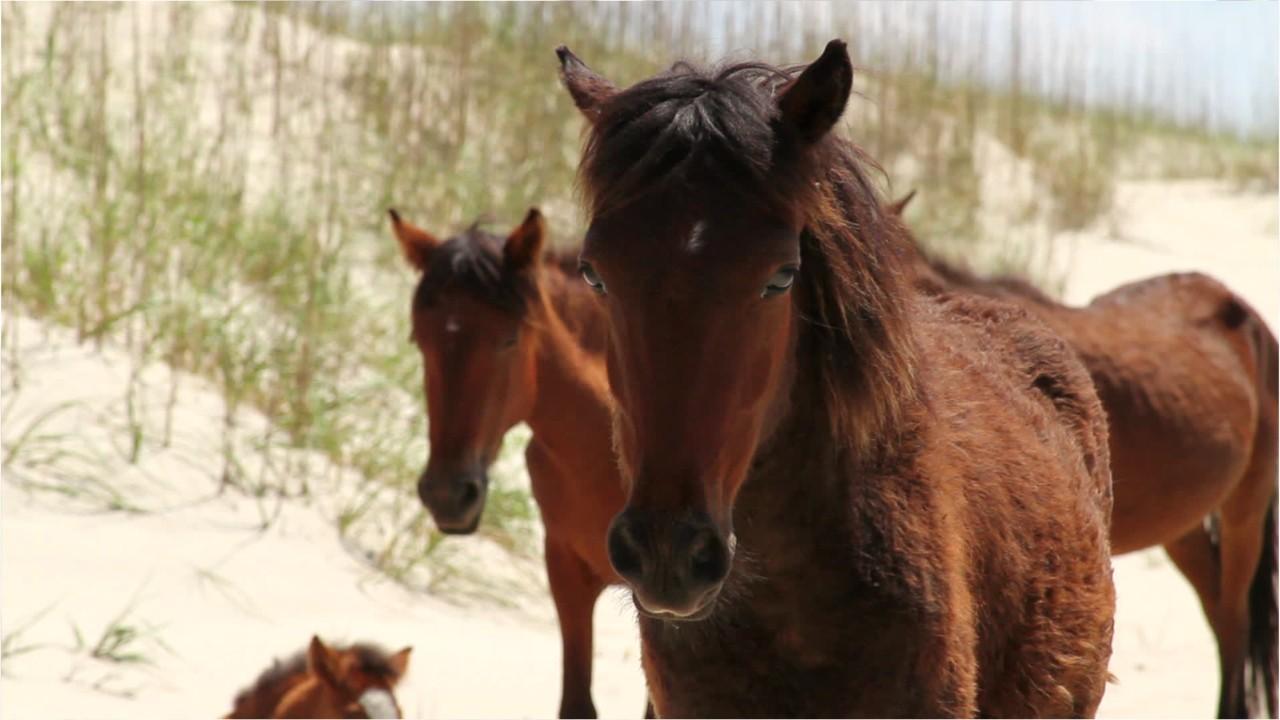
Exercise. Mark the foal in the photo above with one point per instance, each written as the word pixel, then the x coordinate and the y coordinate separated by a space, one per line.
pixel 1186 371
pixel 844 498
pixel 326 682
pixel 509 336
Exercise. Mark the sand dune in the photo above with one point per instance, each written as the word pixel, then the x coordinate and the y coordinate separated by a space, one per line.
pixel 223 596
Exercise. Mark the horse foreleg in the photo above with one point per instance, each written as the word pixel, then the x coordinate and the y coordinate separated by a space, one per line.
pixel 574 588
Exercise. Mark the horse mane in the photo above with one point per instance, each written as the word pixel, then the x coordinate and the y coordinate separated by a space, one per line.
pixel 472 260
pixel 692 135
pixel 999 286
pixel 260 698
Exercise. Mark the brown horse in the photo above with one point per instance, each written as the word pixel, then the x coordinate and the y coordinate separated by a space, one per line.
pixel 509 336
pixel 326 682
pixel 1186 371
pixel 845 498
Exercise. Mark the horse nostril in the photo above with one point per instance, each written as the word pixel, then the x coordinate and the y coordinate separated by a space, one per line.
pixel 624 551
pixel 469 494
pixel 708 558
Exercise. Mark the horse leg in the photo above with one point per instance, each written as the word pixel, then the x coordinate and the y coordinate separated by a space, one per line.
pixel 1196 558
pixel 575 590
pixel 1240 549
pixel 649 714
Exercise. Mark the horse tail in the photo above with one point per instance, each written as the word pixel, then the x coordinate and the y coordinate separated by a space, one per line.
pixel 1260 664
pixel 1260 671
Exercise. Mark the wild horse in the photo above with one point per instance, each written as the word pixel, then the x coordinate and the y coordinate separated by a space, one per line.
pixel 508 334
pixel 845 497
pixel 1186 371
pixel 326 681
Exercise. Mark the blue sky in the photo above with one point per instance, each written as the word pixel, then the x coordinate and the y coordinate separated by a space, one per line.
pixel 1222 53
pixel 1202 63
pixel 1207 62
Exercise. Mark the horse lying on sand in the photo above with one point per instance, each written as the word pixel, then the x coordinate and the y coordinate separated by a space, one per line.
pixel 326 681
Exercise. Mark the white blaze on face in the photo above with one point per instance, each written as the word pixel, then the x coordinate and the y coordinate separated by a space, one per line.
pixel 452 324
pixel 378 703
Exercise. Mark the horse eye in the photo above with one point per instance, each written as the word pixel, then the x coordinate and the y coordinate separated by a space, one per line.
pixel 509 342
pixel 593 279
pixel 780 282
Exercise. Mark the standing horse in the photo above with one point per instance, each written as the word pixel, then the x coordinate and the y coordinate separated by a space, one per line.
pixel 845 498
pixel 326 682
pixel 509 336
pixel 1186 371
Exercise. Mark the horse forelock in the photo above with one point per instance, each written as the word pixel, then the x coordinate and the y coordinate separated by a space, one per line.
pixel 472 261
pixel 374 660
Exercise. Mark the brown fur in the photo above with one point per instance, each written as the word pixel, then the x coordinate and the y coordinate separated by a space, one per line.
pixel 294 687
pixel 561 393
pixel 1186 372
pixel 918 488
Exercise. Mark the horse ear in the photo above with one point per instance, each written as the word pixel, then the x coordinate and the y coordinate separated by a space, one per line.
pixel 400 662
pixel 811 104
pixel 416 244
pixel 588 89
pixel 524 245
pixel 897 207
pixel 321 661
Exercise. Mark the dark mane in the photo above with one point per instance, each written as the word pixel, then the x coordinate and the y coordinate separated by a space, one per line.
pixel 472 261
pixel 701 136
pixel 681 129
pixel 270 686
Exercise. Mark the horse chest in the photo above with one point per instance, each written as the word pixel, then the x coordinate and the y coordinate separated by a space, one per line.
pixel 817 657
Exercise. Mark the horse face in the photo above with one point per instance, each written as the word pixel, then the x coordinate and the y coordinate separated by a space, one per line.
pixel 345 683
pixel 477 354
pixel 701 330
pixel 695 249
pixel 478 378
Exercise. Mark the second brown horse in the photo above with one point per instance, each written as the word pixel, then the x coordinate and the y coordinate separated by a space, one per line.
pixel 1186 371
pixel 508 335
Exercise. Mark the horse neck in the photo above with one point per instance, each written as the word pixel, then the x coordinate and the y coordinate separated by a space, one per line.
pixel 806 482
pixel 573 395
pixel 797 468
pixel 314 698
